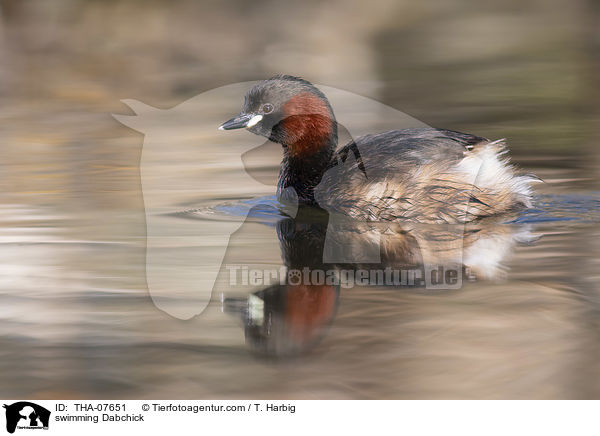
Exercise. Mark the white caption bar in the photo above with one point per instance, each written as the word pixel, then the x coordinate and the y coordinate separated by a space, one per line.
pixel 93 417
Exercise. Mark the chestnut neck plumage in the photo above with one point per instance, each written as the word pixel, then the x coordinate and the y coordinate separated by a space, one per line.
pixel 308 134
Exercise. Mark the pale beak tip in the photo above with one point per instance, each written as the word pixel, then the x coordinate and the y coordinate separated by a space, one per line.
pixel 221 128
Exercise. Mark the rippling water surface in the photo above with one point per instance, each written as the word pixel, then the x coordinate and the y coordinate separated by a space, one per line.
pixel 76 307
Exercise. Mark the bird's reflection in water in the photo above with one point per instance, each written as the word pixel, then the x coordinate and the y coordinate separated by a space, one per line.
pixel 286 320
pixel 289 319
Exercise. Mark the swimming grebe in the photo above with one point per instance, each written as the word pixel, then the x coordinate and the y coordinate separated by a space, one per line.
pixel 422 174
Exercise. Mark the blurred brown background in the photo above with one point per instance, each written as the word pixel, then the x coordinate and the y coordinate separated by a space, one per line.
pixel 525 70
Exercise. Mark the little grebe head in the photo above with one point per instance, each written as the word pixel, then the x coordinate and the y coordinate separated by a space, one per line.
pixel 294 113
pixel 290 111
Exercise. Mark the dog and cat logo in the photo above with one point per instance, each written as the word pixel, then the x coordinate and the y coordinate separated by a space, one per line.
pixel 26 415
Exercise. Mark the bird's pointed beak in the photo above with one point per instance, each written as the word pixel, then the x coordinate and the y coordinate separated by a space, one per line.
pixel 241 121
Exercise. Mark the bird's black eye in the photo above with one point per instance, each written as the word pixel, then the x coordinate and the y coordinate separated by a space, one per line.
pixel 267 108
